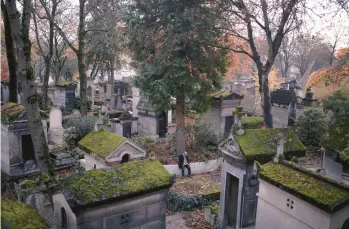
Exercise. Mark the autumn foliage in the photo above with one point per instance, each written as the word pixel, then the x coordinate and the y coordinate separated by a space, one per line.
pixel 326 81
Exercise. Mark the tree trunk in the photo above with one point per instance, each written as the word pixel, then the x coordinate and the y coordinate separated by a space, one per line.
pixel 111 80
pixel 45 85
pixel 48 59
pixel 20 33
pixel 265 94
pixel 11 56
pixel 81 60
pixel 180 134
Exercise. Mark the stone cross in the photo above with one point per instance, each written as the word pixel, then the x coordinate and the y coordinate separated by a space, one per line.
pixel 280 146
pixel 99 121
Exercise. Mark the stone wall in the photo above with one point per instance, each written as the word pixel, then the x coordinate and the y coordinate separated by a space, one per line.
pixel 213 119
pixel 196 167
pixel 147 124
pixel 145 212
pixel 59 97
pixel 273 212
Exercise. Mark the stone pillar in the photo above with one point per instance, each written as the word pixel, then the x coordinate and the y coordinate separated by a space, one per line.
pixel 135 97
pixel 116 126
pixel 56 130
pixel 280 146
pixel 169 117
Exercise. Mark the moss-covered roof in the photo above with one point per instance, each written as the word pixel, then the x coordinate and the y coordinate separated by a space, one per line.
pixel 261 144
pixel 66 83
pixel 21 216
pixel 317 191
pixel 218 94
pixel 115 183
pixel 101 143
pixel 11 111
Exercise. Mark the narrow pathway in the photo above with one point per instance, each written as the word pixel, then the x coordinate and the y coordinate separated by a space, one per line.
pixel 175 222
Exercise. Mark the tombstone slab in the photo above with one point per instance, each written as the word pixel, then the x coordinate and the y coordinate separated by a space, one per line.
pixel 56 130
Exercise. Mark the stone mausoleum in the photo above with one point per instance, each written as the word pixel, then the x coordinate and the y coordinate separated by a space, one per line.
pixel 64 95
pixel 103 148
pixel 17 150
pixel 219 117
pixel 131 195
pixel 151 122
pixel 292 197
pixel 238 200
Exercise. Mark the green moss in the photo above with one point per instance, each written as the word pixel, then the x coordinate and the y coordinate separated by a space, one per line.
pixel 65 83
pixel 252 122
pixel 218 94
pixel 102 142
pixel 21 216
pixel 30 184
pixel 261 144
pixel 123 180
pixel 102 82
pixel 214 208
pixel 308 187
pixel 11 111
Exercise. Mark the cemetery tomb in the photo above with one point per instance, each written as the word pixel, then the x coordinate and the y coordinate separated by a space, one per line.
pixel 292 197
pixel 103 148
pixel 151 122
pixel 219 118
pixel 17 150
pixel 131 195
pixel 65 94
pixel 240 185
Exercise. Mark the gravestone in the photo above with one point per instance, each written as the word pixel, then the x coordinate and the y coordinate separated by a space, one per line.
pixel 56 129
pixel 76 112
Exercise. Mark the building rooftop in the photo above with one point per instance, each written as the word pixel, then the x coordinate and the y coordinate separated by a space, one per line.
pixel 20 216
pixel 66 84
pixel 261 144
pixel 320 191
pixel 101 143
pixel 115 183
pixel 224 94
pixel 11 111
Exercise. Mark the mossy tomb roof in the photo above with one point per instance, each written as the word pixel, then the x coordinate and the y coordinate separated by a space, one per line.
pixel 11 111
pixel 115 183
pixel 101 143
pixel 316 191
pixel 21 216
pixel 261 144
pixel 66 83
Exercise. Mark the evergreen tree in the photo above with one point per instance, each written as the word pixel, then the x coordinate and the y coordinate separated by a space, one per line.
pixel 174 41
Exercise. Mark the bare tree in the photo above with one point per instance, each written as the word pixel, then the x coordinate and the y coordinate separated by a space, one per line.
pixel 20 33
pixel 285 58
pixel 272 19
pixel 42 39
pixel 59 58
pixel 80 51
pixel 10 54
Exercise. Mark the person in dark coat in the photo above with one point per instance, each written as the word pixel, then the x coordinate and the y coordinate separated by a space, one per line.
pixel 183 162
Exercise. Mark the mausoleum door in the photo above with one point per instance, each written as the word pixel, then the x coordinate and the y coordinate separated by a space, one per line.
pixel 127 126
pixel 28 152
pixel 229 121
pixel 232 200
pixel 162 125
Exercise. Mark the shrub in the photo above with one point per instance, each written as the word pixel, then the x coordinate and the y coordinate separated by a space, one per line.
pixel 144 142
pixel 83 126
pixel 71 137
pixel 294 159
pixel 337 136
pixel 252 122
pixel 311 127
pixel 177 202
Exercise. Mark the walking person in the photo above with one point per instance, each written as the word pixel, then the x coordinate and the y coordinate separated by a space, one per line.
pixel 183 162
